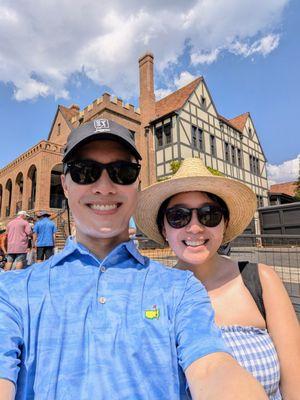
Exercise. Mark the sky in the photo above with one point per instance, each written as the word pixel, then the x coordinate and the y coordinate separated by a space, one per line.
pixel 248 51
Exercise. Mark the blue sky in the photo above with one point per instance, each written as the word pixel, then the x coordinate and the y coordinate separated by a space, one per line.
pixel 247 51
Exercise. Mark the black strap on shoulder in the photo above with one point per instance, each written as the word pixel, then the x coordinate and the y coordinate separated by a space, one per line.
pixel 250 275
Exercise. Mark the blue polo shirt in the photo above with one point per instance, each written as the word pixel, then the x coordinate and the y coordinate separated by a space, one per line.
pixel 45 229
pixel 75 327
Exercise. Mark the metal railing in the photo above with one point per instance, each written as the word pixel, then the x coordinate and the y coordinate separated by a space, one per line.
pixel 282 252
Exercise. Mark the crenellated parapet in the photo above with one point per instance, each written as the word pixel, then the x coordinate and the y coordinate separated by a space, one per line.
pixel 106 101
pixel 42 146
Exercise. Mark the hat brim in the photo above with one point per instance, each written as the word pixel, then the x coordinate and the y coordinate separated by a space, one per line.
pixel 239 198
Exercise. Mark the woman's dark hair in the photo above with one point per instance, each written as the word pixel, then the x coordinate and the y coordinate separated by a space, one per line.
pixel 162 209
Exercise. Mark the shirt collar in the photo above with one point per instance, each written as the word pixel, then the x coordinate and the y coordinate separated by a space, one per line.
pixel 72 246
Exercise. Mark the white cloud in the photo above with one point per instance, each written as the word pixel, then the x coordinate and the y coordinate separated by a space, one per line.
pixel 43 44
pixel 205 58
pixel 263 46
pixel 184 78
pixel 160 93
pixel 288 171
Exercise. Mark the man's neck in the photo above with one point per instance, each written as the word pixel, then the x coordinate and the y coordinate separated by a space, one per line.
pixel 101 247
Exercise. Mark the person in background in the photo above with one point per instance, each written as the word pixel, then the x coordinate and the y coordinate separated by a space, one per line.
pixel 18 234
pixel 44 236
pixel 122 326
pixel 196 212
pixel 3 239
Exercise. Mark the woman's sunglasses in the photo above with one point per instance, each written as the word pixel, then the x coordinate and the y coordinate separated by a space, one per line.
pixel 179 216
pixel 85 172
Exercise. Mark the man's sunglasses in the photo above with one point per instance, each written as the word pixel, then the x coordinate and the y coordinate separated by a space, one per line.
pixel 85 172
pixel 179 216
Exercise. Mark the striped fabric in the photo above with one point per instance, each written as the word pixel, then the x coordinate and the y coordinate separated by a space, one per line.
pixel 254 350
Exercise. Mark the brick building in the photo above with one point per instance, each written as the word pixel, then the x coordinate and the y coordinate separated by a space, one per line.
pixel 185 123
pixel 282 193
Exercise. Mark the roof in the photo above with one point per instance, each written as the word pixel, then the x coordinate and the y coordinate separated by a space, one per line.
pixel 239 122
pixel 288 188
pixel 176 100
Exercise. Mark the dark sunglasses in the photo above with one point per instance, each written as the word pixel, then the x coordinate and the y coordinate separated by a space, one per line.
pixel 179 216
pixel 85 172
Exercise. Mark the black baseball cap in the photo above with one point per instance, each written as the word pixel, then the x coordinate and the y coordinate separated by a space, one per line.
pixel 99 129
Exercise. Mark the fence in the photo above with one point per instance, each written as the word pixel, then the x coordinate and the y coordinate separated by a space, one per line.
pixel 280 251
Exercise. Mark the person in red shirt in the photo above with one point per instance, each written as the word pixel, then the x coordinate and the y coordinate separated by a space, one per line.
pixel 18 233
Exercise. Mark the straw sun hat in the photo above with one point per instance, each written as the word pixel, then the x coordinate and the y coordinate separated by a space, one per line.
pixel 194 176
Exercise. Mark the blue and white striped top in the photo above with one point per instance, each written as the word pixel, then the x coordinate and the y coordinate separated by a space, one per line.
pixel 254 350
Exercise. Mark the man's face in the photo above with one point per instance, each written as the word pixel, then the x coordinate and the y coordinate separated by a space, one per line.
pixel 101 210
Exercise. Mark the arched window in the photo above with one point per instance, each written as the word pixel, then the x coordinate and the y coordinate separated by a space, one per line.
pixel 57 197
pixel 8 189
pixel 32 179
pixel 19 191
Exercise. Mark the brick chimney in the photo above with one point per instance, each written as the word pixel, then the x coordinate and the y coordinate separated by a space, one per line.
pixel 147 107
pixel 147 98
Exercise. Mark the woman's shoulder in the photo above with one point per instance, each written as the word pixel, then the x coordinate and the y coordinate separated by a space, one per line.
pixel 268 275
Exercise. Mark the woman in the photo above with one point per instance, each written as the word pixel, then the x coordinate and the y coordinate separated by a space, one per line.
pixel 196 212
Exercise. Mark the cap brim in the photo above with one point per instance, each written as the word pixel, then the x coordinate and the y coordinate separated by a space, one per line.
pixel 100 136
pixel 239 198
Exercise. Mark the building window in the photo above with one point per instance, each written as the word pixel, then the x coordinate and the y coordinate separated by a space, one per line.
pixel 159 136
pixel 197 138
pixel 163 135
pixel 203 102
pixel 239 158
pixel 194 136
pixel 260 201
pixel 233 159
pixel 132 134
pixel 58 129
pixel 254 165
pixel 200 139
pixel 167 133
pixel 212 145
pixel 227 155
pixel 250 132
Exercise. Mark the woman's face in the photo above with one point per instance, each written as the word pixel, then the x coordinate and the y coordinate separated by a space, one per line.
pixel 195 243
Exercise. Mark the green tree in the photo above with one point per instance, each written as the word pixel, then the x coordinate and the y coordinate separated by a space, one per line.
pixel 215 171
pixel 297 191
pixel 174 165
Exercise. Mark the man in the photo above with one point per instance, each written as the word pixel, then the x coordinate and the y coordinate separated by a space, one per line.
pixel 99 320
pixel 44 236
pixel 18 233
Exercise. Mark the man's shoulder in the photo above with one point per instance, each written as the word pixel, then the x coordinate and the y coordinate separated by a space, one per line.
pixel 168 274
pixel 17 279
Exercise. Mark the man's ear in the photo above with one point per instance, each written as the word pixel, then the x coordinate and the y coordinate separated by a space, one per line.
pixel 64 185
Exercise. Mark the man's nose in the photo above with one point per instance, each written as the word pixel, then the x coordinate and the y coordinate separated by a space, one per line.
pixel 104 185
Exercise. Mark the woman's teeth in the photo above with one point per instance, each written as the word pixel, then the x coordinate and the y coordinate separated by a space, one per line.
pixel 194 243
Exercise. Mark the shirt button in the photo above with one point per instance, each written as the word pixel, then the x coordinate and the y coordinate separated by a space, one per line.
pixel 102 268
pixel 102 300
